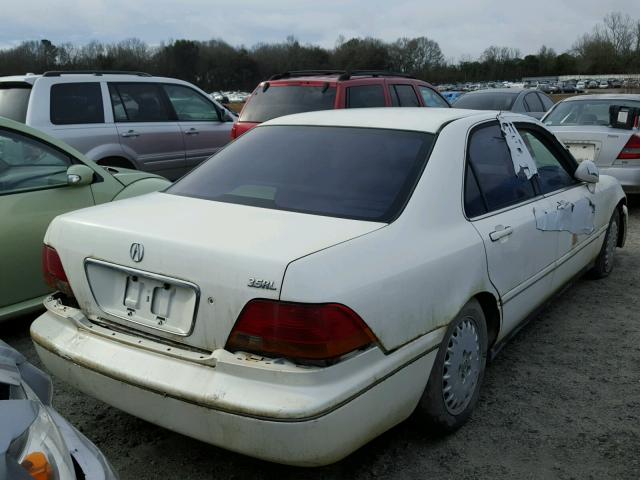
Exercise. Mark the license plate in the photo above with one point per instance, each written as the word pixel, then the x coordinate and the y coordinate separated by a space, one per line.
pixel 143 298
pixel 582 151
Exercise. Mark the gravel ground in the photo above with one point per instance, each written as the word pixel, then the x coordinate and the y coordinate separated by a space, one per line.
pixel 562 400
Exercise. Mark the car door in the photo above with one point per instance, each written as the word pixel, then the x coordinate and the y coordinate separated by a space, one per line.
pixel 204 130
pixel 33 190
pixel 572 213
pixel 501 206
pixel 147 128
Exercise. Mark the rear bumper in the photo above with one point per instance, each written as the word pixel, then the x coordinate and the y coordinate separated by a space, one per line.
pixel 629 177
pixel 277 412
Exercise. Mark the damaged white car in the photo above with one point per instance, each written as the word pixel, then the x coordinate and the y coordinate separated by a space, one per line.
pixel 325 275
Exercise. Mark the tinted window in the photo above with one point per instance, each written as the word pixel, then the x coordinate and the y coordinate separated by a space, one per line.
pixel 491 161
pixel 487 101
pixel 138 102
pixel 365 96
pixel 14 100
pixel 404 96
pixel 28 164
pixel 189 105
pixel 532 103
pixel 473 201
pixel 76 103
pixel 277 101
pixel 432 99
pixel 551 174
pixel 585 112
pixel 358 173
pixel 547 103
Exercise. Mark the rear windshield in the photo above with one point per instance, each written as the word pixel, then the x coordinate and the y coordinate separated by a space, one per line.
pixel 357 173
pixel 486 101
pixel 277 101
pixel 14 99
pixel 584 112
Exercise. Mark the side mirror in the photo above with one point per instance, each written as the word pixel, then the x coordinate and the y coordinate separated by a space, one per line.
pixel 78 175
pixel 587 172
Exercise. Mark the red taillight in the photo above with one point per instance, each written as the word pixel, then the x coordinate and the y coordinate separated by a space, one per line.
pixel 54 274
pixel 631 150
pixel 234 131
pixel 299 331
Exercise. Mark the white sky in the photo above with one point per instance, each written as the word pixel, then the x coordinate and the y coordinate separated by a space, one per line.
pixel 461 27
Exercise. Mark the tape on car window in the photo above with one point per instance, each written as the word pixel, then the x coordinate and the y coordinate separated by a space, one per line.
pixel 520 156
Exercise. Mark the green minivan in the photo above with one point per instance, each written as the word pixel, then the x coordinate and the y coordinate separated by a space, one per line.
pixel 40 178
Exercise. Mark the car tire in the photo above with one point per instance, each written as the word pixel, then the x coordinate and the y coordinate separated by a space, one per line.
pixel 605 259
pixel 457 373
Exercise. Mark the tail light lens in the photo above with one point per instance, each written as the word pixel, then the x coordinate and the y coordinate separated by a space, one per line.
pixel 299 331
pixel 54 274
pixel 631 150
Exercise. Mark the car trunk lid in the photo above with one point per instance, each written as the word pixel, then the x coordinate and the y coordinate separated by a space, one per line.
pixel 600 144
pixel 181 268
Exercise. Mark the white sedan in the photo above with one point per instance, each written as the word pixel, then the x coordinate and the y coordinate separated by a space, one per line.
pixel 322 277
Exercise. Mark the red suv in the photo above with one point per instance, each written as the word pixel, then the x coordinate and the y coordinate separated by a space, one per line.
pixel 305 91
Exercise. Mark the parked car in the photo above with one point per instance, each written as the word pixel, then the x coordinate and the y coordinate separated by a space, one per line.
pixel 584 125
pixel 519 100
pixel 41 177
pixel 603 84
pixel 321 302
pixel 310 90
pixel 567 87
pixel 452 96
pixel 581 86
pixel 36 442
pixel 593 84
pixel 121 119
pixel 548 88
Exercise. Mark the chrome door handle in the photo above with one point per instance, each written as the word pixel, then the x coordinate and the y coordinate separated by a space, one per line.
pixel 130 133
pixel 500 232
pixel 191 131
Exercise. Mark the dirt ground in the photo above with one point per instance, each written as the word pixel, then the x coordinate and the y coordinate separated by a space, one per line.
pixel 561 401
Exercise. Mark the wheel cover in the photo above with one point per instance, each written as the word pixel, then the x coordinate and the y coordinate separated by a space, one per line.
pixel 610 247
pixel 462 364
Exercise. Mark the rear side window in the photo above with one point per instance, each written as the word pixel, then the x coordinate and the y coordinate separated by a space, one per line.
pixel 473 202
pixel 138 102
pixel 14 100
pixel 432 99
pixel 547 103
pixel 532 103
pixel 74 103
pixel 551 174
pixel 403 96
pixel 277 101
pixel 490 160
pixel 346 172
pixel 365 96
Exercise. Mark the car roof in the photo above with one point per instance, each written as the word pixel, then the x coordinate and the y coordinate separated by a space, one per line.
pixel 74 77
pixel 421 119
pixel 604 96
pixel 338 77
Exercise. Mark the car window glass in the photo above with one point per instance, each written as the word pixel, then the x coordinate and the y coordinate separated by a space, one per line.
pixel 268 102
pixel 533 103
pixel 14 100
pixel 140 102
pixel 75 103
pixel 189 105
pixel 585 112
pixel 551 174
pixel 346 172
pixel 473 201
pixel 547 103
pixel 404 96
pixel 491 161
pixel 27 164
pixel 432 99
pixel 486 100
pixel 365 96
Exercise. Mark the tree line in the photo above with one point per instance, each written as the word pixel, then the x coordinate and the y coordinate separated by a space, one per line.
pixel 612 47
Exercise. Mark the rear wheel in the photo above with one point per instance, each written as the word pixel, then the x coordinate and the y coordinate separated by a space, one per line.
pixel 454 384
pixel 604 261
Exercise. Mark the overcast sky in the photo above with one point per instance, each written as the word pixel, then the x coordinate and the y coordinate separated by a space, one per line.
pixel 461 27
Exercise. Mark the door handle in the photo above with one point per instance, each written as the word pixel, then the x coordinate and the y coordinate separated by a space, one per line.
pixel 130 133
pixel 191 131
pixel 500 232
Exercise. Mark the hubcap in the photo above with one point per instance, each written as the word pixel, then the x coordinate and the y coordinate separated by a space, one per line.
pixel 461 366
pixel 610 247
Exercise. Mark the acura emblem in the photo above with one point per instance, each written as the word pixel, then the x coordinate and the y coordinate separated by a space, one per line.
pixel 136 252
